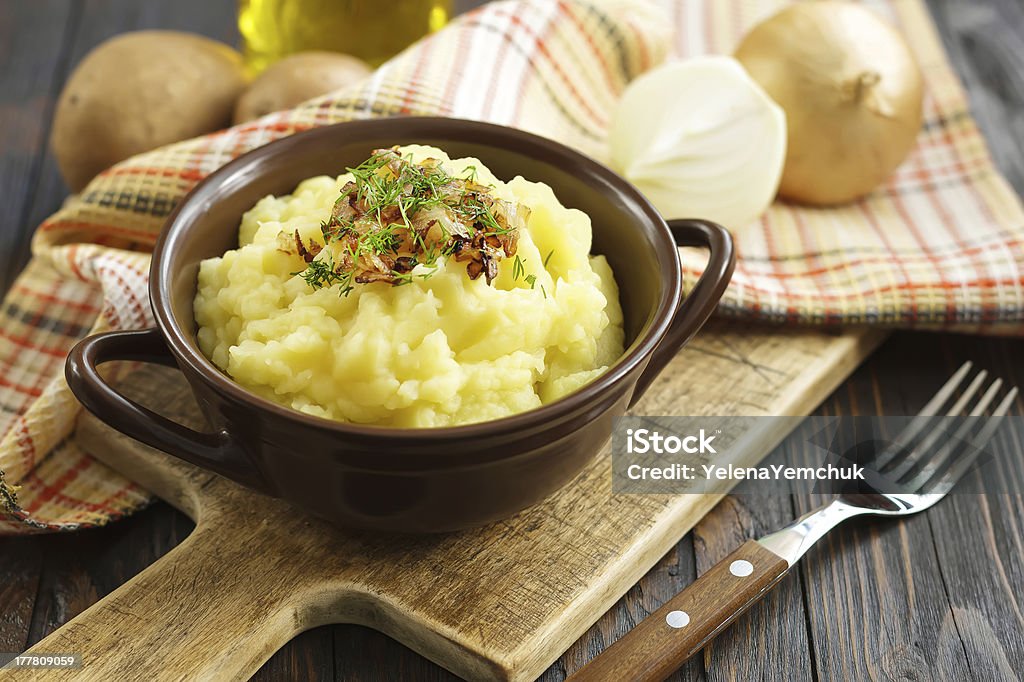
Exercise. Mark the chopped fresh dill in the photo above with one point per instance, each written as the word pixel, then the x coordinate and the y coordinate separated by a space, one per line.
pixel 474 210
pixel 518 268
pixel 321 273
pixel 404 278
pixel 519 272
pixel 378 218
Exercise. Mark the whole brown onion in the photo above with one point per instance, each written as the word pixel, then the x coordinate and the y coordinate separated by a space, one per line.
pixel 852 94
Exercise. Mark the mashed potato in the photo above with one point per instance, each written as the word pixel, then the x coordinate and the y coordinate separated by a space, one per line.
pixel 442 350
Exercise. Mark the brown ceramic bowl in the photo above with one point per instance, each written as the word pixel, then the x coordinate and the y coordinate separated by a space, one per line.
pixel 416 480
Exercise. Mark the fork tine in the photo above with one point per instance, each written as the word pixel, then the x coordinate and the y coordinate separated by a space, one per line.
pixel 969 392
pixel 937 461
pixel 912 457
pixel 960 466
pixel 939 399
pixel 903 440
pixel 987 399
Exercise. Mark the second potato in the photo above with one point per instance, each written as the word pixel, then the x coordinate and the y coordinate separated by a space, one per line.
pixel 297 78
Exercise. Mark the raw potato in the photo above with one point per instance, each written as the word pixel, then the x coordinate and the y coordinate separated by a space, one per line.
pixel 139 91
pixel 297 78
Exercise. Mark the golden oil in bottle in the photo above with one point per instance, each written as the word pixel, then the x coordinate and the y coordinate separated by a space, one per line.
pixel 373 30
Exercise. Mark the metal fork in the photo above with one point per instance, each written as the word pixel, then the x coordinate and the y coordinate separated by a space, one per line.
pixel 922 463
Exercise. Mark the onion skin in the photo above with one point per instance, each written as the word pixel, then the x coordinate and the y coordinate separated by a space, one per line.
pixel 852 93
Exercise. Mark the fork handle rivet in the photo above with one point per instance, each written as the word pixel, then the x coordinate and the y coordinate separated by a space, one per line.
pixel 677 619
pixel 741 568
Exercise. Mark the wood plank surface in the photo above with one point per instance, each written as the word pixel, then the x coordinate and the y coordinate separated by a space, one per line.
pixel 34 54
pixel 983 38
pixel 985 44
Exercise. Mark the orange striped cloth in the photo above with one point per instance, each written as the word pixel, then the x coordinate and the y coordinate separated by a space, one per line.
pixel 940 245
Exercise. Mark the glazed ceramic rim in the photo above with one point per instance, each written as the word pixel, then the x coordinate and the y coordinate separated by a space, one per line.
pixel 184 346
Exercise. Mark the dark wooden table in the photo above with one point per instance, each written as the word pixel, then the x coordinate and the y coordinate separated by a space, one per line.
pixel 936 597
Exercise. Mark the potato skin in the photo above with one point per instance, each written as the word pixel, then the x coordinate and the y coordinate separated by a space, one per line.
pixel 297 78
pixel 138 91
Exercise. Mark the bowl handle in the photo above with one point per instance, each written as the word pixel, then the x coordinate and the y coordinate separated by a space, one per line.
pixel 212 451
pixel 697 306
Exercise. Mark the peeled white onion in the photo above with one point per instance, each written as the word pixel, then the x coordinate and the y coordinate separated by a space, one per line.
pixel 700 139
pixel 852 94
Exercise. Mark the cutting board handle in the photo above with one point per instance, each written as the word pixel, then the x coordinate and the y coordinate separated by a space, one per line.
pixel 194 614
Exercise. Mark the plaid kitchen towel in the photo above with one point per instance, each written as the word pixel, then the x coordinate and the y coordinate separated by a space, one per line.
pixel 939 246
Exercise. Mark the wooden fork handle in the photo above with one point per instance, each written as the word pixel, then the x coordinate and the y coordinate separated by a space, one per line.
pixel 663 641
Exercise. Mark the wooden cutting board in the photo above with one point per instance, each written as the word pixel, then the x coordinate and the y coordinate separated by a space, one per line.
pixel 496 603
